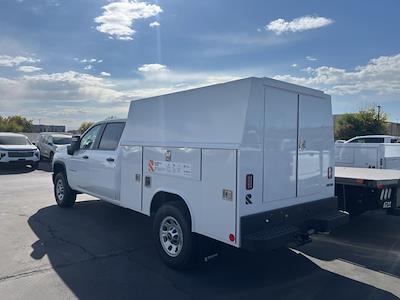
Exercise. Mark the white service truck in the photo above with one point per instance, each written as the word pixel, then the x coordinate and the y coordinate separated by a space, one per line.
pixel 249 163
pixel 368 155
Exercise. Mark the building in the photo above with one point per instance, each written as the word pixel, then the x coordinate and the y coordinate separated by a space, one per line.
pixel 393 128
pixel 48 128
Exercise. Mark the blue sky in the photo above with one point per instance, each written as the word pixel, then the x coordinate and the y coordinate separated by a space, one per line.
pixel 70 61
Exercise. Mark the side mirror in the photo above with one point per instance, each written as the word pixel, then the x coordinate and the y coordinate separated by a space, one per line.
pixel 75 142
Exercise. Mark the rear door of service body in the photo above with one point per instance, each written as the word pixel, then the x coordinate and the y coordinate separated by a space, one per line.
pixel 297 144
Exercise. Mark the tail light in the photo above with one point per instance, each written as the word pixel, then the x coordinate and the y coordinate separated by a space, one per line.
pixel 249 181
pixel 330 172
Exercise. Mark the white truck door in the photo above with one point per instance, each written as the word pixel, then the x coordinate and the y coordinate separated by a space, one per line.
pixel 79 169
pixel 280 143
pixel 131 177
pixel 315 141
pixel 103 163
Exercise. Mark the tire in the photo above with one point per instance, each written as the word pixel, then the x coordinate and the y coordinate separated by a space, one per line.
pixel 173 235
pixel 65 196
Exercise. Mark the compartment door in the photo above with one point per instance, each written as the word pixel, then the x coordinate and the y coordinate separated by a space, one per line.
pixel 280 144
pixel 131 177
pixel 315 145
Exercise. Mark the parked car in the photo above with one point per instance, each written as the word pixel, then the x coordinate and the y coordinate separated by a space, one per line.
pixel 374 139
pixel 48 143
pixel 18 149
pixel 248 163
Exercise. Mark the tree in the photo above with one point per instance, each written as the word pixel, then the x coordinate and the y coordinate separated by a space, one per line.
pixel 367 121
pixel 15 124
pixel 84 126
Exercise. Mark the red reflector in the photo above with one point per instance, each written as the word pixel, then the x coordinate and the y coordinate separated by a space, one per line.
pixel 330 172
pixel 380 186
pixel 360 181
pixel 249 181
pixel 232 237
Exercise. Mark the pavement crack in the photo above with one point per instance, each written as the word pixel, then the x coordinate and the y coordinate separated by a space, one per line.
pixel 54 235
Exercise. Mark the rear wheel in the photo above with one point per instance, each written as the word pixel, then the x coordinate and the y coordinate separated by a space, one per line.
pixel 65 196
pixel 175 241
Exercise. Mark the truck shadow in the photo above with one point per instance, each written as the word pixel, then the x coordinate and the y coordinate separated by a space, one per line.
pixel 103 251
pixel 371 239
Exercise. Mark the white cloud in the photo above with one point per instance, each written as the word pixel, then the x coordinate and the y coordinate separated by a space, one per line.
pixel 280 26
pixel 154 24
pixel 105 74
pixel 88 67
pixel 118 17
pixel 66 86
pixel 29 69
pixel 380 75
pixel 12 61
pixel 152 68
pixel 294 65
pixel 91 60
pixel 311 58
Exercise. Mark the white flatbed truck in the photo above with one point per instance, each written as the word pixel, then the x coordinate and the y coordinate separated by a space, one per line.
pixel 248 163
pixel 362 189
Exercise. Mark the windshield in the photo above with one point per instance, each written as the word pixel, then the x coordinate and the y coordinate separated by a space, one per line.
pixel 62 140
pixel 14 140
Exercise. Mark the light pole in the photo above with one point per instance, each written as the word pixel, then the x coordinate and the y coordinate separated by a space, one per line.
pixel 379 111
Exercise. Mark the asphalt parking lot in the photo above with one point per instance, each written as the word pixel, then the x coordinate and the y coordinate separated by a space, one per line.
pixel 99 251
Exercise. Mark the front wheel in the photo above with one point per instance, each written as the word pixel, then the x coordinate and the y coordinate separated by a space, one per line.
pixel 175 241
pixel 65 196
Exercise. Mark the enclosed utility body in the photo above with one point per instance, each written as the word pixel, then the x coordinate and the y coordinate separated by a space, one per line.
pixel 252 159
pixel 248 163
pixel 368 155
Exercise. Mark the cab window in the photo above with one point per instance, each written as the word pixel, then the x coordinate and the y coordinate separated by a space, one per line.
pixel 111 136
pixel 87 141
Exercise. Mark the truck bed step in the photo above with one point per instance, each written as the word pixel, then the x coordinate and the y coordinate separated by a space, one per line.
pixel 327 221
pixel 269 238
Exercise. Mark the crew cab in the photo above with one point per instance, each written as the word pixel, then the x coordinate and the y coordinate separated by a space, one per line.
pixel 248 163
pixel 17 149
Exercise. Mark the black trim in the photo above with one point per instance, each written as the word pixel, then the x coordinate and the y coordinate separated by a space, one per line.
pixel 280 227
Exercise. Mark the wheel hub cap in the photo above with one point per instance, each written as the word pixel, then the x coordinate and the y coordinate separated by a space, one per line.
pixel 171 236
pixel 60 190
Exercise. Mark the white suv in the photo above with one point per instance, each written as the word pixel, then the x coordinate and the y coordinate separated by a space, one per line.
pixel 18 149
pixel 48 143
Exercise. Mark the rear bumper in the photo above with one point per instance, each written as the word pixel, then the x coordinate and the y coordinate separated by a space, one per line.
pixel 290 225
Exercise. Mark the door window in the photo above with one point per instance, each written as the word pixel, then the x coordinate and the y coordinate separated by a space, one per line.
pixel 87 142
pixel 111 136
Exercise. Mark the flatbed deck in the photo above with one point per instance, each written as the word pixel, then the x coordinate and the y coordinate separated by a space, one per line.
pixel 366 177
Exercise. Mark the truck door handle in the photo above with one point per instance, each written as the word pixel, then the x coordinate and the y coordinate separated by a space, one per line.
pixel 85 157
pixel 110 159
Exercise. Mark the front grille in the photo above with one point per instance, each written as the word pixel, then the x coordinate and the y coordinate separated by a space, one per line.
pixel 20 153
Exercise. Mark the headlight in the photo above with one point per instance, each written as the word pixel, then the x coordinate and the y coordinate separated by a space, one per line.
pixel 37 153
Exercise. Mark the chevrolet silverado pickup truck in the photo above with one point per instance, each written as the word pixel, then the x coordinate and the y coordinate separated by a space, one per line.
pixel 249 163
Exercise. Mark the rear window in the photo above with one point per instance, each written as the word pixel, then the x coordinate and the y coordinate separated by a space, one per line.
pixel 111 136
pixel 62 140
pixel 14 140
pixel 368 140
